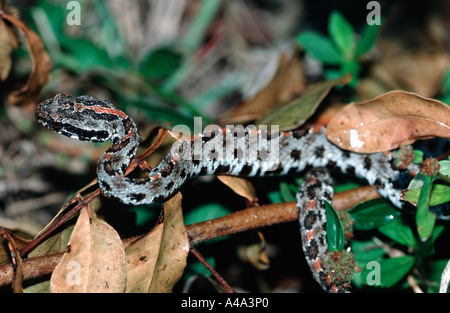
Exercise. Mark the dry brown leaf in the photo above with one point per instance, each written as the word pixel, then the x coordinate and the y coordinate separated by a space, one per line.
pixel 418 70
pixel 423 72
pixel 8 41
pixel 94 261
pixel 5 51
pixel 155 261
pixel 287 83
pixel 255 253
pixel 141 257
pixel 41 65
pixel 240 185
pixel 388 121
pixel 328 113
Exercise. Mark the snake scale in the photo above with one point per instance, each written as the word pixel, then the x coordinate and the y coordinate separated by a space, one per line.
pixel 90 119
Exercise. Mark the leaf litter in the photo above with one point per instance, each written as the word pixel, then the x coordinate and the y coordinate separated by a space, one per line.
pixel 94 260
pixel 388 121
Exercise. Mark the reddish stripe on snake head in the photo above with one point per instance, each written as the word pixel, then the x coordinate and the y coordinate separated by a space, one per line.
pixel 100 109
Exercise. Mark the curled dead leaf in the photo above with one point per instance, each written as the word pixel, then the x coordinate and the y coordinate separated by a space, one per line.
pixel 240 185
pixel 388 121
pixel 8 41
pixel 41 65
pixel 255 253
pixel 5 51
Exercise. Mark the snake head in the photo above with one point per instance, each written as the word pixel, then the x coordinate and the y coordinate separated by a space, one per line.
pixel 73 117
pixel 54 109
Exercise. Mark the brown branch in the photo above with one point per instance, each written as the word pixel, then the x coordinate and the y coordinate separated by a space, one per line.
pixel 270 214
pixel 250 218
pixel 32 268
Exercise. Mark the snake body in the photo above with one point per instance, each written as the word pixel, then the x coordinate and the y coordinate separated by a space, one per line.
pixel 87 118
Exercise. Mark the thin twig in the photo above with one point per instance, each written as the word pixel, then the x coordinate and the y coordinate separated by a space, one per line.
pixel 413 284
pixel 162 134
pixel 205 263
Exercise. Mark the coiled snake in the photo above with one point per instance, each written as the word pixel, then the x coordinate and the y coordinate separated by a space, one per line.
pixel 86 118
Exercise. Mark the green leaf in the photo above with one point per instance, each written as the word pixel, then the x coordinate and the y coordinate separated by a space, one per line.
pixel 335 232
pixel 425 220
pixel 446 83
pixel 319 47
pixel 435 272
pixel 109 35
pixel 439 194
pixel 366 251
pixel 394 269
pixel 342 34
pixel 417 181
pixel 205 212
pixel 373 214
pixel 368 37
pixel 391 270
pixel 274 196
pixel 55 16
pixel 85 54
pixel 346 186
pixel 426 248
pixel 286 193
pixel 437 231
pixel 399 232
pixel 145 214
pixel 159 112
pixel 333 73
pixel 444 170
pixel 352 67
pixel 160 63
pixel 418 156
